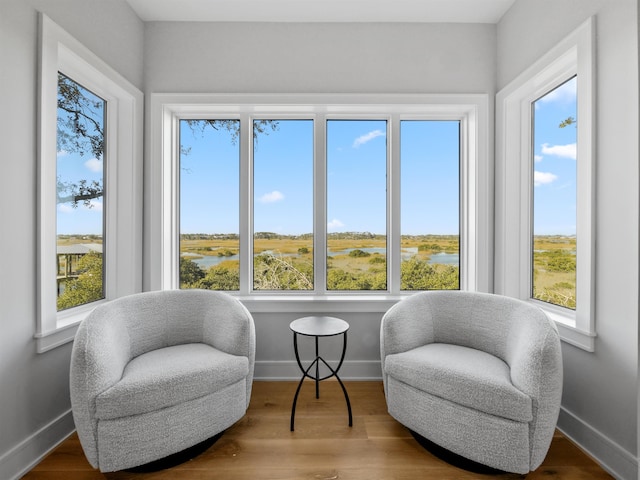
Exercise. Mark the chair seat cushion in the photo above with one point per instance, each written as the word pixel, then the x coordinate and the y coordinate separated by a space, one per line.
pixel 170 376
pixel 464 376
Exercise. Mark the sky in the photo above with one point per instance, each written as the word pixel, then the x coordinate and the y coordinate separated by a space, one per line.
pixel 356 176
pixel 73 167
pixel 555 152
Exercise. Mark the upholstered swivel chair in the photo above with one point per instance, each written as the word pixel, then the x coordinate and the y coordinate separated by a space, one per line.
pixel 477 374
pixel 156 373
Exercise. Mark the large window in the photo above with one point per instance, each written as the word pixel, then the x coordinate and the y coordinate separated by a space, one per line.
pixel 320 201
pixel 357 227
pixel 90 183
pixel 79 194
pixel 544 187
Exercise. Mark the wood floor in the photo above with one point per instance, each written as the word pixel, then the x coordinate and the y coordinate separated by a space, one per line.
pixel 323 447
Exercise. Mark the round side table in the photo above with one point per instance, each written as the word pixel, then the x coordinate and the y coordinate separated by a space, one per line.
pixel 319 327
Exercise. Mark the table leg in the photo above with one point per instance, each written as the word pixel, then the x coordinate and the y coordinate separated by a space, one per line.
pixel 317 371
pixel 344 389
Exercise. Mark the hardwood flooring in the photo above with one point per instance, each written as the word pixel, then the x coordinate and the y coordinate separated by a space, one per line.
pixel 323 446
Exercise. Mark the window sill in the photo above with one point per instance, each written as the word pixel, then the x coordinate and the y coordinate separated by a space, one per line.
pixel 566 322
pixel 277 302
pixel 66 326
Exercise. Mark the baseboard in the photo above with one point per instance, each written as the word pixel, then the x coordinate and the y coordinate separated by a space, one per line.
pixel 289 370
pixel 28 453
pixel 612 457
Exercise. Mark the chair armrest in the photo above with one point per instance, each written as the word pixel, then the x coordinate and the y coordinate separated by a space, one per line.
pixel 228 326
pixel 406 325
pixel 536 369
pixel 100 353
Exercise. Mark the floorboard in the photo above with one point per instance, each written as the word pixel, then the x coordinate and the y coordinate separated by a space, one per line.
pixel 323 446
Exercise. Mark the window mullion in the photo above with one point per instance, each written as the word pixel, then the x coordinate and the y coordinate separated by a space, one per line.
pixel 394 240
pixel 320 204
pixel 246 203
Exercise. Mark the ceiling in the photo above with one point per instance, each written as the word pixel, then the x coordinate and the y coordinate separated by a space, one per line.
pixel 428 11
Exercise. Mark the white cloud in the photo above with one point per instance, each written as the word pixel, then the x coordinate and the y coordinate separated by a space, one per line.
pixel 367 137
pixel 335 223
pixel 565 151
pixel 543 178
pixel 538 158
pixel 94 165
pixel 65 208
pixel 96 205
pixel 274 196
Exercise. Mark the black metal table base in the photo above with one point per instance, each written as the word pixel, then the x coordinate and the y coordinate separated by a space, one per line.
pixel 317 378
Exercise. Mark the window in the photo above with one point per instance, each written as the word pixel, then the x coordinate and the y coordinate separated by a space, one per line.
pixel 356 205
pixel 209 204
pixel 544 187
pixel 430 204
pixel 319 194
pixel 283 205
pixel 79 194
pixel 90 172
pixel 554 242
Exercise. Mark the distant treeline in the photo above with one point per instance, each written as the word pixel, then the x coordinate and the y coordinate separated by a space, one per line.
pixel 303 236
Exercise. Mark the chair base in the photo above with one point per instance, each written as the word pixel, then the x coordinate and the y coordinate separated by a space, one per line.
pixel 176 459
pixel 455 459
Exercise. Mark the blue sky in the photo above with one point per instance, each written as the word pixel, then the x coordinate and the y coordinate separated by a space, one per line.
pixel 356 178
pixel 555 151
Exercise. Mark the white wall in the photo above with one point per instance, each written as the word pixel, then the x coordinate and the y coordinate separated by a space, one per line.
pixel 34 388
pixel 319 58
pixel 600 399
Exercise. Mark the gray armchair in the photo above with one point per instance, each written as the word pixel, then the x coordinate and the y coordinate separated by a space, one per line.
pixel 477 374
pixel 155 373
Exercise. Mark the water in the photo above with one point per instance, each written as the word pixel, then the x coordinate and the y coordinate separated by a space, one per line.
pixel 441 258
pixel 208 261
pixel 445 258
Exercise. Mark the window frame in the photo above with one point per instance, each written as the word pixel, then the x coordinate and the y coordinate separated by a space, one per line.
pixel 60 52
pixel 162 208
pixel 575 55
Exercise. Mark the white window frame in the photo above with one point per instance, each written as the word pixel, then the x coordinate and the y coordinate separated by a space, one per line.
pixel 575 55
pixel 162 165
pixel 60 52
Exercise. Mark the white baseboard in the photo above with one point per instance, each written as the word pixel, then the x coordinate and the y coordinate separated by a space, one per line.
pixel 289 370
pixel 28 453
pixel 612 457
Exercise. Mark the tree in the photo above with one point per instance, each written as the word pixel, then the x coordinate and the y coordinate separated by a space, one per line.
pixel 567 121
pixel 80 129
pixel 273 272
pixel 233 127
pixel 87 287
pixel 190 272
pixel 418 274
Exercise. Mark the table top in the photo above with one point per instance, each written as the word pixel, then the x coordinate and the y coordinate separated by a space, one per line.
pixel 319 326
